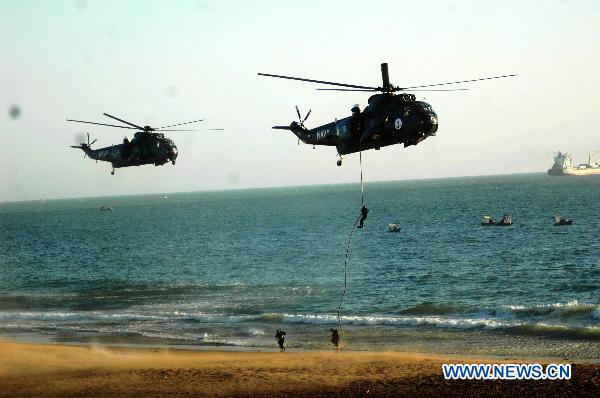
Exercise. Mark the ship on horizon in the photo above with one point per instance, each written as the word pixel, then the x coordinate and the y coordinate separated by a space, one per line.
pixel 563 166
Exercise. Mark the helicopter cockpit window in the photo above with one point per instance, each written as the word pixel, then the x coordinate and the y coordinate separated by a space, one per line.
pixel 425 107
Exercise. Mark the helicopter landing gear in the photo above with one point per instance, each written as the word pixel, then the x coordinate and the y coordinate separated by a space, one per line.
pixel 339 161
pixel 173 161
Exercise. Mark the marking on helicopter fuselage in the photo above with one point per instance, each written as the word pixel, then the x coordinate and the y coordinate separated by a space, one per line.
pixel 322 133
pixel 398 124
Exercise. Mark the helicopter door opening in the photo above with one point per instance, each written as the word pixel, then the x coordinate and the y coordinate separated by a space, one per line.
pixel 126 149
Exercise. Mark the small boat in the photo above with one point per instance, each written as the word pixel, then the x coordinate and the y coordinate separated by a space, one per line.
pixel 487 221
pixel 394 228
pixel 558 220
pixel 505 221
pixel 105 208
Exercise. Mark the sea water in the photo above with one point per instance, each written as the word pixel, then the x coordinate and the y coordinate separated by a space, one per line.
pixel 228 268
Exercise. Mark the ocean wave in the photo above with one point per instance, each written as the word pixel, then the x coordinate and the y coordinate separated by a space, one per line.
pixel 455 323
pixel 426 313
pixel 554 320
pixel 559 311
pixel 82 316
pixel 567 310
pixel 429 320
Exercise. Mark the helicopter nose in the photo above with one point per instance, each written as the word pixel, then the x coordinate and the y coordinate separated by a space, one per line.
pixel 431 124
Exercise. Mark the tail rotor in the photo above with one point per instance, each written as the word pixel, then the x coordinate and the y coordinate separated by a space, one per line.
pixel 85 145
pixel 300 119
pixel 91 143
pixel 298 127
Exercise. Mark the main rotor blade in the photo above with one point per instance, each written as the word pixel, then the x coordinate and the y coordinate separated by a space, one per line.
pixel 461 81
pixel 180 124
pixel 452 89
pixel 123 121
pixel 350 89
pixel 298 112
pixel 191 130
pixel 345 89
pixel 317 81
pixel 101 124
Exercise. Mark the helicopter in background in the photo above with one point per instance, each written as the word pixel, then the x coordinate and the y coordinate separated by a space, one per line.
pixel 148 146
pixel 388 119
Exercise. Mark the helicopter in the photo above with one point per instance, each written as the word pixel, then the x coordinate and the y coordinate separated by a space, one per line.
pixel 388 119
pixel 148 146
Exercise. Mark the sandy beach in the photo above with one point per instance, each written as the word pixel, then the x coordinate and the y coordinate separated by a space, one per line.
pixel 34 370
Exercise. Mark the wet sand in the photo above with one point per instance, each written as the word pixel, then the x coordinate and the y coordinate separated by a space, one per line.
pixel 36 370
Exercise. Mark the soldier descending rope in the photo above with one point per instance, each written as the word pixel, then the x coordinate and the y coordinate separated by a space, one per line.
pixel 363 216
pixel 357 224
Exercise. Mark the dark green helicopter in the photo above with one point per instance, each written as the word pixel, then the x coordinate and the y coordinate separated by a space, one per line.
pixel 148 146
pixel 388 119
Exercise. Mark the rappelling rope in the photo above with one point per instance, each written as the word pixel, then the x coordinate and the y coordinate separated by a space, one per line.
pixel 346 275
pixel 362 201
pixel 362 191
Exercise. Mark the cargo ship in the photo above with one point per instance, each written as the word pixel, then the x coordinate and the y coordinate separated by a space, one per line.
pixel 563 166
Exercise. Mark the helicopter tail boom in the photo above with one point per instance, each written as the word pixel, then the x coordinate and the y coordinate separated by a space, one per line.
pixel 85 148
pixel 298 130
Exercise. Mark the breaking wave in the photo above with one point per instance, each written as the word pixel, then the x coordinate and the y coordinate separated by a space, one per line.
pixel 568 310
pixel 557 310
pixel 569 320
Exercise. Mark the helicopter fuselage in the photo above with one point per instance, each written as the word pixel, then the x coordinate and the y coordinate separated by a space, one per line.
pixel 148 146
pixel 387 120
pixel 144 148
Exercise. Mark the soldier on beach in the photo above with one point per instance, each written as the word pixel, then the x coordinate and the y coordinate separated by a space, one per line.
pixel 280 337
pixel 335 337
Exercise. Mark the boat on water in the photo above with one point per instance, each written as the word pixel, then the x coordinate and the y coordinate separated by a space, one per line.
pixel 488 220
pixel 558 220
pixel 563 166
pixel 105 208
pixel 394 228
pixel 505 221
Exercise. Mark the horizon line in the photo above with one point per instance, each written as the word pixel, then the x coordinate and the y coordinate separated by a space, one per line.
pixel 263 187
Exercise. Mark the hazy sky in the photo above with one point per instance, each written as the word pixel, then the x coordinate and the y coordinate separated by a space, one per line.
pixel 163 62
